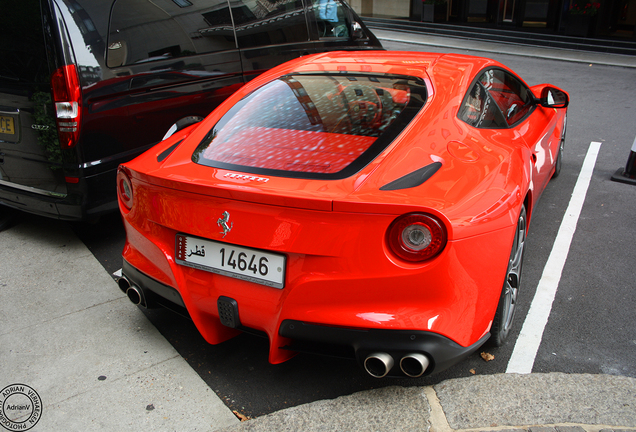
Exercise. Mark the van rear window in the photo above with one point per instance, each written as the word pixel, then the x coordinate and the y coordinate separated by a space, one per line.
pixel 318 125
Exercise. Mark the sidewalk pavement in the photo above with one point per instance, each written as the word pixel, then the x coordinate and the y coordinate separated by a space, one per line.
pixel 96 363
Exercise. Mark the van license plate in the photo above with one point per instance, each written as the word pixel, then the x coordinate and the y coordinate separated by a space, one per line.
pixel 7 125
pixel 239 262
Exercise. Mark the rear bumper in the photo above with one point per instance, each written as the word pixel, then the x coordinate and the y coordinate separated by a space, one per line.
pixel 68 207
pixel 299 336
pixel 92 196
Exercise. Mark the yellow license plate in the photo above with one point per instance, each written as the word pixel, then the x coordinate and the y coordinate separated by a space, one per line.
pixel 6 125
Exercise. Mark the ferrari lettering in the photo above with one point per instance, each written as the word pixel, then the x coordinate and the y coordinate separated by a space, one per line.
pixel 246 177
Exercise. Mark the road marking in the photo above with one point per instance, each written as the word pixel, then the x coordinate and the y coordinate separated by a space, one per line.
pixel 527 345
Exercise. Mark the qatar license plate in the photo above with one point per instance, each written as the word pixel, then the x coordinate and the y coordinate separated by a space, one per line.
pixel 6 125
pixel 239 262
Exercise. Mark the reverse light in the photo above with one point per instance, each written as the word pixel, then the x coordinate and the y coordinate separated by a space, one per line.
pixel 67 97
pixel 416 237
pixel 124 189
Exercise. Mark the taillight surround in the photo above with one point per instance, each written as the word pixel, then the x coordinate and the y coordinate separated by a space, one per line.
pixel 416 237
pixel 67 98
pixel 124 189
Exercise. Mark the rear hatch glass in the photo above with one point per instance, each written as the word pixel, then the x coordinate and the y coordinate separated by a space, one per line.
pixel 313 125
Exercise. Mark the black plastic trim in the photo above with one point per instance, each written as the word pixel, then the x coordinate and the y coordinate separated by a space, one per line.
pixel 228 312
pixel 164 154
pixel 156 293
pixel 441 351
pixel 414 179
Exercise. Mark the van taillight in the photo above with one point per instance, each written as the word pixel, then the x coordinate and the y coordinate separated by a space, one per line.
pixel 67 98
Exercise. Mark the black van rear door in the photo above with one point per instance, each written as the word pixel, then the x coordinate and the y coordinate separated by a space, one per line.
pixel 30 156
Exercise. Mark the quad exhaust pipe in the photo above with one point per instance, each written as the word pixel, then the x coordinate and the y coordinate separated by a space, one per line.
pixel 414 365
pixel 379 364
pixel 134 295
pixel 133 292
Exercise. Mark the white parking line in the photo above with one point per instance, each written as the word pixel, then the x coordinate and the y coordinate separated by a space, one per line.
pixel 527 345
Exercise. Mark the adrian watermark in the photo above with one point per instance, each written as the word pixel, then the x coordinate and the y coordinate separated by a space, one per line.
pixel 20 407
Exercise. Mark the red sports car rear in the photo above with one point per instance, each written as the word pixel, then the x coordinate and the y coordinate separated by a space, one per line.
pixel 373 205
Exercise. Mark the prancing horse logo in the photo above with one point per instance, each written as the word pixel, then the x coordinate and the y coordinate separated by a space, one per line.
pixel 222 222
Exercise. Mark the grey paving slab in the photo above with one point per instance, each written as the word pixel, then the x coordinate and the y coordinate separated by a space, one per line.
pixel 46 272
pixel 391 409
pixel 65 356
pixel 538 399
pixel 96 362
pixel 159 398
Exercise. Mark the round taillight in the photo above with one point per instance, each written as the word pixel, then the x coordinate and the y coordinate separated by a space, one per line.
pixel 416 237
pixel 124 189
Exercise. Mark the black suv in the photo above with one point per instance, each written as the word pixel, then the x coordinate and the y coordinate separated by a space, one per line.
pixel 88 84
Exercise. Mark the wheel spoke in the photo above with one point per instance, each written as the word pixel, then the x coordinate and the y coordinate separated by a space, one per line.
pixel 511 287
pixel 508 300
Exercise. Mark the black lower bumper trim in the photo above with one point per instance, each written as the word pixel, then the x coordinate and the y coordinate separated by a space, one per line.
pixel 441 351
pixel 155 293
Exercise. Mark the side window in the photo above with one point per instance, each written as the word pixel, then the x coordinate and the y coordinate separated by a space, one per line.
pixel 496 100
pixel 479 109
pixel 331 18
pixel 143 31
pixel 269 22
pixel 511 96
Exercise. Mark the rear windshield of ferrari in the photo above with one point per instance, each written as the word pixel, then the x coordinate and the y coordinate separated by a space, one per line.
pixel 313 125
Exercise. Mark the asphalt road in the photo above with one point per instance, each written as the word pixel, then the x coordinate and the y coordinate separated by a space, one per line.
pixel 592 327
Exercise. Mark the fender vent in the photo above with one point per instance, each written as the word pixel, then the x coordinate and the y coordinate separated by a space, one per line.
pixel 416 178
pixel 164 154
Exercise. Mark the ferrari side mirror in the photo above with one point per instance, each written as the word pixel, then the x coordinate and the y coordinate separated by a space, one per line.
pixel 552 97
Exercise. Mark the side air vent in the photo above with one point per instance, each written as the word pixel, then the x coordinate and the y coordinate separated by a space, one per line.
pixel 416 178
pixel 164 154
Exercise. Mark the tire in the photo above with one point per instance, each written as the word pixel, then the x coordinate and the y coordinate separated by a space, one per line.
pixel 7 217
pixel 559 159
pixel 507 306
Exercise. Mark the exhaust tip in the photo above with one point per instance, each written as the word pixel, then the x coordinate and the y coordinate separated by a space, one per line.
pixel 134 295
pixel 123 284
pixel 414 365
pixel 378 365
